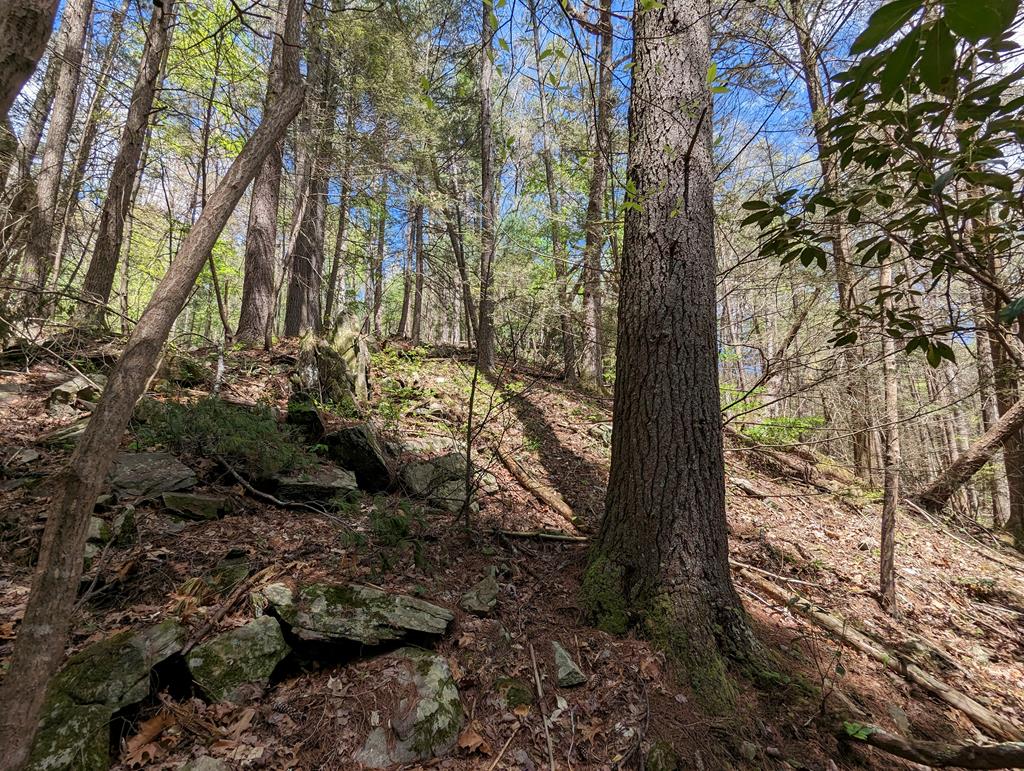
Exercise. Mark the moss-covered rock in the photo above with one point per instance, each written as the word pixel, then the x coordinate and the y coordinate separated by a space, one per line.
pixel 662 758
pixel 482 596
pixel 197 507
pixel 568 672
pixel 149 474
pixel 325 612
pixel 74 733
pixel 236 665
pixel 427 718
pixel 515 693
pixel 322 483
pixel 356 448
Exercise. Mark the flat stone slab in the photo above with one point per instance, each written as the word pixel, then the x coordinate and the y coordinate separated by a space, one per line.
pixel 197 507
pixel 149 474
pixel 355 612
pixel 427 715
pixel 236 665
pixel 568 673
pixel 323 483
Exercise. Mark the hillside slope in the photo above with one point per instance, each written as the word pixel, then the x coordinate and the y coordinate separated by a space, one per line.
pixel 542 452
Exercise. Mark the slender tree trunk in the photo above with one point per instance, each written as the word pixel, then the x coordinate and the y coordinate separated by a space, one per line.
pixel 453 227
pixel 32 134
pixel 99 279
pixel 421 266
pixel 593 343
pixel 890 464
pixel 43 632
pixel 85 147
pixel 377 271
pixel 407 277
pixel 37 261
pixel 559 253
pixel 261 234
pixel 660 559
pixel 343 196
pixel 25 27
pixel 485 329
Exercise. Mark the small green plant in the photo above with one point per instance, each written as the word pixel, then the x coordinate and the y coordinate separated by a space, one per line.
pixel 251 439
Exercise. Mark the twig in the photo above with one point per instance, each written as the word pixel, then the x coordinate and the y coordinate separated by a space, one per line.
pixel 738 564
pixel 540 704
pixel 541 492
pixel 494 763
pixel 543 535
pixel 225 607
pixel 268 497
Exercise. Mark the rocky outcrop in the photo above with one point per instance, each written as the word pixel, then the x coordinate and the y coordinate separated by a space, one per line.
pixel 356 448
pixel 442 481
pixel 197 507
pixel 354 613
pixel 236 665
pixel 334 370
pixel 74 731
pixel 426 718
pixel 322 483
pixel 79 389
pixel 148 474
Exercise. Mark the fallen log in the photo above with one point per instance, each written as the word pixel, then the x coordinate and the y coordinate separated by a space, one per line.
pixel 542 492
pixel 994 725
pixel 941 754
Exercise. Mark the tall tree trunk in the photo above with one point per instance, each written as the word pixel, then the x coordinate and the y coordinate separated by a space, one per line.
pixel 43 632
pixel 99 279
pixel 1008 400
pixel 377 269
pixel 25 27
pixel 660 560
pixel 89 133
pixel 421 265
pixel 593 343
pixel 485 328
pixel 38 259
pixel 891 463
pixel 855 380
pixel 261 235
pixel 407 275
pixel 32 134
pixel 453 227
pixel 559 253
pixel 339 239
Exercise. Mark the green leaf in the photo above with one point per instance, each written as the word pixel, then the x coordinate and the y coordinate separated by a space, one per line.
pixel 884 23
pixel 504 44
pixel 938 57
pixel 898 66
pixel 1012 311
pixel 712 73
pixel 977 19
pixel 755 205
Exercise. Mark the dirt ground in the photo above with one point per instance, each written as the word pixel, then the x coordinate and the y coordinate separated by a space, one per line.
pixel 960 611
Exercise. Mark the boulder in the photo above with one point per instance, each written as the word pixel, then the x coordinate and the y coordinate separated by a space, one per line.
pixel 305 418
pixel 149 474
pixel 197 507
pixel 335 369
pixel 450 496
pixel 323 483
pixel 602 432
pixel 568 673
pixel 236 665
pixel 662 758
pixel 356 448
pixel 79 388
pixel 442 480
pixel 482 596
pixel 120 528
pixel 427 715
pixel 74 730
pixel 355 613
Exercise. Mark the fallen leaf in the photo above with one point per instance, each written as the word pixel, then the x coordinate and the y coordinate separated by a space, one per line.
pixel 471 740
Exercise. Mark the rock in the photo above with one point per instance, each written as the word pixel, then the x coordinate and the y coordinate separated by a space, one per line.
pixel 23 456
pixel 442 481
pixel 602 432
pixel 515 693
pixel 428 444
pixel 748 751
pixel 323 483
pixel 184 371
pixel 568 674
pixel 304 416
pixel 427 716
pixel 356 448
pixel 197 507
pixel 324 612
pixel 79 388
pixel 230 571
pixel 450 496
pixel 418 478
pixel 335 369
pixel 661 758
pixel 120 529
pixel 236 665
pixel 149 474
pixel 74 730
pixel 483 596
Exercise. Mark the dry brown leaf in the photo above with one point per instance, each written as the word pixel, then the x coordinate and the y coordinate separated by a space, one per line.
pixel 471 740
pixel 141 748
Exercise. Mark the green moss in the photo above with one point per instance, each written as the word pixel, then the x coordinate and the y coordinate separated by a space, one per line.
pixel 516 693
pixel 695 656
pixel 662 757
pixel 603 596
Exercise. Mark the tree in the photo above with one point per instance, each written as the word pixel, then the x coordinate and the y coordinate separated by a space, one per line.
pixel 891 461
pixel 37 261
pixel 488 213
pixel 99 279
pixel 660 560
pixel 254 323
pixel 25 27
pixel 44 629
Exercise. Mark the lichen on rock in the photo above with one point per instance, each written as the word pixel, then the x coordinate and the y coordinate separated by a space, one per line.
pixel 236 665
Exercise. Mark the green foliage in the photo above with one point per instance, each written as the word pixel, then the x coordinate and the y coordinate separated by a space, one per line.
pixel 782 430
pixel 858 730
pixel 395 529
pixel 251 440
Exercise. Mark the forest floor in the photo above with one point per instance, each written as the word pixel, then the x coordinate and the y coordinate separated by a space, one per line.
pixel 962 593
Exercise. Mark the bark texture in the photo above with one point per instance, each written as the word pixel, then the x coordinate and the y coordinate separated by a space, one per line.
pixel 99 280
pixel 43 632
pixel 25 27
pixel 660 559
pixel 485 329
pixel 261 236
